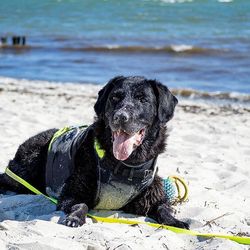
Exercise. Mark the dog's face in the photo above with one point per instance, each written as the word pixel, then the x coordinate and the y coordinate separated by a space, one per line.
pixel 129 107
pixel 130 110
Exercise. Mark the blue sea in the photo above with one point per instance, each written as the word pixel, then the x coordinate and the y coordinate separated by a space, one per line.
pixel 202 45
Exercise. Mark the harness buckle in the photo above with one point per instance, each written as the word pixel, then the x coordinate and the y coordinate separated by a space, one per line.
pixel 131 174
pixel 147 173
pixel 116 169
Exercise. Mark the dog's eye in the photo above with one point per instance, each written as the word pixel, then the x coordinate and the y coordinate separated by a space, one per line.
pixel 115 98
pixel 141 98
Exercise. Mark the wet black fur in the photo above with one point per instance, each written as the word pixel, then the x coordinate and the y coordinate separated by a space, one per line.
pixel 153 105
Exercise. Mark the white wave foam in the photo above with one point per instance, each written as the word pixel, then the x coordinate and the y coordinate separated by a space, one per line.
pixel 114 46
pixel 176 1
pixel 219 96
pixel 225 1
pixel 181 48
pixel 185 1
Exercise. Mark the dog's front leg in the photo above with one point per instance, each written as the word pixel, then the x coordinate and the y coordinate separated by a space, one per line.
pixel 75 212
pixel 152 202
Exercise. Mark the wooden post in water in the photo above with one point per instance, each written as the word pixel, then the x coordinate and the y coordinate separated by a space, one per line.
pixel 14 41
pixel 23 40
pixel 4 40
pixel 18 40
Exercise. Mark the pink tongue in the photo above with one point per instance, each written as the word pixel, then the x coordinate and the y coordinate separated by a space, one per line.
pixel 123 144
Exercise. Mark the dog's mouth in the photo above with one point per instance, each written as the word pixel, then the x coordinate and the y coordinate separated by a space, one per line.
pixel 125 143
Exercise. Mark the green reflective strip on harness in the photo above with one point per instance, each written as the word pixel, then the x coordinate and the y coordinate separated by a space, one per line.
pixel 100 152
pixel 61 132
pixel 238 239
pixel 58 134
pixel 27 185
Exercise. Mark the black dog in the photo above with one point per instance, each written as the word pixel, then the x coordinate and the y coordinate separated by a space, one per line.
pixel 130 129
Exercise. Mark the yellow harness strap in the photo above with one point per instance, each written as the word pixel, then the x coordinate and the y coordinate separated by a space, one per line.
pixel 239 239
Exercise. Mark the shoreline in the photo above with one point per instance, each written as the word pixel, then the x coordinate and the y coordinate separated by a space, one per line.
pixel 208 146
pixel 213 98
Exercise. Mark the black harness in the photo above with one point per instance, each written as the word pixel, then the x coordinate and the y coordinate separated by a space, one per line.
pixel 61 154
pixel 115 186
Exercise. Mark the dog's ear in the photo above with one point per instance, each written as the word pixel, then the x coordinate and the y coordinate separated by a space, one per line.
pixel 166 101
pixel 103 94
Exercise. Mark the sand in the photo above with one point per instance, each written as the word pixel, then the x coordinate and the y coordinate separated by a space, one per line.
pixel 209 146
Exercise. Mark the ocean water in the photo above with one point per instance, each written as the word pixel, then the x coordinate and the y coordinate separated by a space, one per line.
pixel 201 44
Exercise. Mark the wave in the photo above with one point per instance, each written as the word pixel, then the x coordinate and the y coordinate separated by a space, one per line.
pixel 182 49
pixel 225 1
pixel 176 1
pixel 189 1
pixel 220 96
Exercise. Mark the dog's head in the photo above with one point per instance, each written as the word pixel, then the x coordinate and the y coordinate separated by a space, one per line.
pixel 130 106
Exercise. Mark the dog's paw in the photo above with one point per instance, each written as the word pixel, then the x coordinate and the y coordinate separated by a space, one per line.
pixel 175 223
pixel 74 221
pixel 181 224
pixel 165 217
pixel 77 216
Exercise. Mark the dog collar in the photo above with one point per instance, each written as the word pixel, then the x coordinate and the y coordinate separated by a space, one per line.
pixel 143 171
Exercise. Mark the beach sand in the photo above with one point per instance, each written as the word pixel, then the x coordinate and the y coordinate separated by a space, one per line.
pixel 209 146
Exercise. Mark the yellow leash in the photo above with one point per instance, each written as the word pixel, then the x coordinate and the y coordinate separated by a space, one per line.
pixel 238 239
pixel 27 185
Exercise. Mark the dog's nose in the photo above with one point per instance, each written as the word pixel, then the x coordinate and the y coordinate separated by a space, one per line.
pixel 121 117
